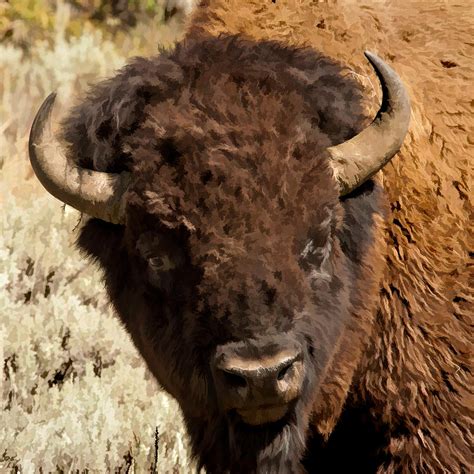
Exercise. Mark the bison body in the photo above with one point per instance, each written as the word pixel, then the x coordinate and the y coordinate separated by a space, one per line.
pixel 298 329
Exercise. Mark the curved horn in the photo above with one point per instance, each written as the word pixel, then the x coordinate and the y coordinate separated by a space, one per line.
pixel 359 158
pixel 91 192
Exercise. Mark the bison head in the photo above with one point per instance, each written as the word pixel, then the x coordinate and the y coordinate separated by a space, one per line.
pixel 234 227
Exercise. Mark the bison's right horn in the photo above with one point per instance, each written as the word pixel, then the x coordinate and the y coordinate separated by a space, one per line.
pixel 359 158
pixel 91 192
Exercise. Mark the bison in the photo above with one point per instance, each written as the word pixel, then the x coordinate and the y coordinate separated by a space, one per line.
pixel 277 286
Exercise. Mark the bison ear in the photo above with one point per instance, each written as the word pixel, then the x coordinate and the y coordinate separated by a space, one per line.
pixel 92 237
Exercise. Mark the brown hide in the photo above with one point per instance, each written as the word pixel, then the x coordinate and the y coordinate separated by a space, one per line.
pixel 416 369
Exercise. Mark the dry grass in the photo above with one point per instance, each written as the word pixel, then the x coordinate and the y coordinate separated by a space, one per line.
pixel 75 394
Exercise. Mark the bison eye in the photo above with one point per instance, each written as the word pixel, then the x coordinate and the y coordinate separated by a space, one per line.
pixel 316 259
pixel 159 273
pixel 161 264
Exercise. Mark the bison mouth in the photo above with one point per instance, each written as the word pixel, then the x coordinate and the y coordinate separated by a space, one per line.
pixel 263 414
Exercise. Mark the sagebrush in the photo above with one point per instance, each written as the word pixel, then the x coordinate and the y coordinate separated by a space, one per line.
pixel 75 393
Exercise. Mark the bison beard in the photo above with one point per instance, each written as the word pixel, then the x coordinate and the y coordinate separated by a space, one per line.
pixel 231 238
pixel 232 446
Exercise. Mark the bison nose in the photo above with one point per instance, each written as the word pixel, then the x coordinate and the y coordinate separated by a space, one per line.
pixel 257 383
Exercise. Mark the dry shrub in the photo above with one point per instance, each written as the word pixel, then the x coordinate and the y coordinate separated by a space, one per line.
pixel 75 394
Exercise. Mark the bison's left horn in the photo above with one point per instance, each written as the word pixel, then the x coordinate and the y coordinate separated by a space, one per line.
pixel 359 158
pixel 92 192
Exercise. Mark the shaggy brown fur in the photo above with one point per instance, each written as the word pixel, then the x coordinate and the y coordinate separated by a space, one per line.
pixel 225 138
pixel 418 370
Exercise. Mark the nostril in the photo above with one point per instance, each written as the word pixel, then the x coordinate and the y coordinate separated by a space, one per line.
pixel 234 380
pixel 284 371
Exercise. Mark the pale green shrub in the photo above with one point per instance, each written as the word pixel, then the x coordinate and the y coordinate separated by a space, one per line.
pixel 74 392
